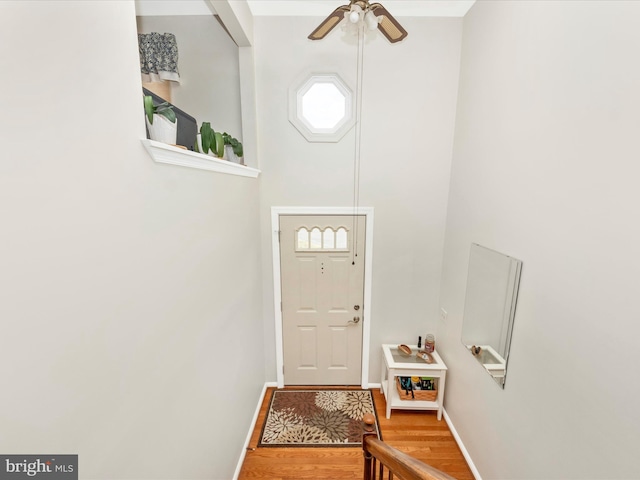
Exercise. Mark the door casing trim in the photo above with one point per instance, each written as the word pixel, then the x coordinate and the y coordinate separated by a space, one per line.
pixel 277 287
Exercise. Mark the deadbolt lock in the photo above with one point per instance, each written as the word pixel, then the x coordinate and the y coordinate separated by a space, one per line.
pixel 356 307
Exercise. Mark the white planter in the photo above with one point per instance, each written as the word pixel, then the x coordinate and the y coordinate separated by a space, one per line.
pixel 231 156
pixel 162 130
pixel 200 150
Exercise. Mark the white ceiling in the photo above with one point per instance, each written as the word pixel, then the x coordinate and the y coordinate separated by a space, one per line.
pixel 398 8
pixel 150 8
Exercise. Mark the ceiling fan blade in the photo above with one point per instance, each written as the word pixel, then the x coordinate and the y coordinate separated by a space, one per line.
pixel 389 26
pixel 329 23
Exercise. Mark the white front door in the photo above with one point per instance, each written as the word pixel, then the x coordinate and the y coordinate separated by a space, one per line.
pixel 322 271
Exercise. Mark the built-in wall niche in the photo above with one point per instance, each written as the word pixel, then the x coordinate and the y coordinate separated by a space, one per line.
pixel 209 87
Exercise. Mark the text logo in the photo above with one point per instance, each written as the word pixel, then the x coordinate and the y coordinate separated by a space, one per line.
pixel 45 467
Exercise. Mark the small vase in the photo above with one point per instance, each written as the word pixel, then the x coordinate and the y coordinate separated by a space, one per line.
pixel 162 130
pixel 230 155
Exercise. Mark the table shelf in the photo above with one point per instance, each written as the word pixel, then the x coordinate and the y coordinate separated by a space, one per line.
pixel 395 365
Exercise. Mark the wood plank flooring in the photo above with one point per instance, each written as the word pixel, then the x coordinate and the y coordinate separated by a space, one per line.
pixel 417 433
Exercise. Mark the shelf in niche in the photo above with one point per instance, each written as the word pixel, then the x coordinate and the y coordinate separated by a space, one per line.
pixel 163 153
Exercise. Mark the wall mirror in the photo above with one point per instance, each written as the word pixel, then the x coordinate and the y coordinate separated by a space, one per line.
pixel 489 308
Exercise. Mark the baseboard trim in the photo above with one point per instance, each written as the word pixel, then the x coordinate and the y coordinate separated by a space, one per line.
pixel 464 451
pixel 252 427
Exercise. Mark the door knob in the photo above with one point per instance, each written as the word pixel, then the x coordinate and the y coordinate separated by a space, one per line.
pixel 356 319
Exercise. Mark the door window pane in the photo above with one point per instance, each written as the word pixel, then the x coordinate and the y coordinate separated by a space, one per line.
pixel 316 238
pixel 322 240
pixel 328 239
pixel 341 238
pixel 303 239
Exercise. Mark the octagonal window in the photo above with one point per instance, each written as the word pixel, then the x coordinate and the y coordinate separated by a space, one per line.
pixel 321 107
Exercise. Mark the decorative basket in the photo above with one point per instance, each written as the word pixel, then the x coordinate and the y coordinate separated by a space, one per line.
pixel 425 395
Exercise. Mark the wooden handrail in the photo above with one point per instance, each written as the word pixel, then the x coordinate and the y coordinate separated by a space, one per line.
pixel 399 464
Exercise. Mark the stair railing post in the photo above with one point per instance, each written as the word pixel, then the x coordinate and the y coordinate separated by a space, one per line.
pixel 369 432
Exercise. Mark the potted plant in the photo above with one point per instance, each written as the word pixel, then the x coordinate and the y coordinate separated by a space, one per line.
pixel 209 141
pixel 161 121
pixel 233 148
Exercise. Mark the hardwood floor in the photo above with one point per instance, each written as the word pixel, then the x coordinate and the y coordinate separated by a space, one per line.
pixel 417 433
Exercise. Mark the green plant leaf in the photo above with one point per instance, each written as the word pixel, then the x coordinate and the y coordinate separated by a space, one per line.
pixel 169 114
pixel 219 144
pixel 207 137
pixel 238 150
pixel 166 111
pixel 163 109
pixel 235 144
pixel 148 108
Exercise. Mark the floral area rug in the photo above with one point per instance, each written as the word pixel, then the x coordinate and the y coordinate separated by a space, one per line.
pixel 317 418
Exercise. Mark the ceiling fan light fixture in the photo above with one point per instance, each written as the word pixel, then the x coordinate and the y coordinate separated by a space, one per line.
pixel 355 14
pixel 361 13
pixel 371 20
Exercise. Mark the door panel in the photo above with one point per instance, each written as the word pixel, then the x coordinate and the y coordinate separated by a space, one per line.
pixel 339 293
pixel 322 281
pixel 308 338
pixel 307 288
pixel 339 347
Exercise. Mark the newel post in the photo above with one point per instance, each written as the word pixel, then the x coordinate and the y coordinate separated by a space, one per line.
pixel 369 431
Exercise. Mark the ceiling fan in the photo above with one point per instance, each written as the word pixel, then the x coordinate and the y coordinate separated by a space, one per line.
pixel 372 15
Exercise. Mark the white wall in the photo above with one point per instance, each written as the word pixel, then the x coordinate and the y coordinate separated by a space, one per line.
pixel 127 287
pixel 408 111
pixel 208 62
pixel 545 169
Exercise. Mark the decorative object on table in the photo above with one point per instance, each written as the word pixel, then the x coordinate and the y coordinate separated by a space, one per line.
pixel 429 343
pixel 405 384
pixel 404 349
pixel 417 388
pixel 161 121
pixel 427 383
pixel 426 356
pixel 419 342
pixel 317 418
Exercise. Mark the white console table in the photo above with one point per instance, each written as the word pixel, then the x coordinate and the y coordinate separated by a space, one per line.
pixel 396 364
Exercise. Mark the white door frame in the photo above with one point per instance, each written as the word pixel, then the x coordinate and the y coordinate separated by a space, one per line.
pixel 277 287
